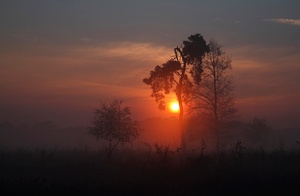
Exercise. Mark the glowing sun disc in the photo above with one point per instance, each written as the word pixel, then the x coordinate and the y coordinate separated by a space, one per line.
pixel 174 107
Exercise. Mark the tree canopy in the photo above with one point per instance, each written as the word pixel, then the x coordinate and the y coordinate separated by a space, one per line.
pixel 214 98
pixel 178 74
pixel 112 123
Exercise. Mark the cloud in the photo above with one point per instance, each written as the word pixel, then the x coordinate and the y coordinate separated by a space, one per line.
pixel 284 21
pixel 132 51
pixel 122 63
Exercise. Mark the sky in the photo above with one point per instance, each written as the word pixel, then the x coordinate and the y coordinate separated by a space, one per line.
pixel 60 58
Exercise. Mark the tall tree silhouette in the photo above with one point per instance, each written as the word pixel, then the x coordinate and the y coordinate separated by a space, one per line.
pixel 214 97
pixel 178 75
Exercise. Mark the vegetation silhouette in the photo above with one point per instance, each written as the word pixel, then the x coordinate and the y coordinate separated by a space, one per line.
pixel 178 75
pixel 213 99
pixel 112 123
pixel 237 170
pixel 257 130
pixel 158 170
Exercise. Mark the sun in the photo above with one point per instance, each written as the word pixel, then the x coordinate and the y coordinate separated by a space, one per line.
pixel 174 107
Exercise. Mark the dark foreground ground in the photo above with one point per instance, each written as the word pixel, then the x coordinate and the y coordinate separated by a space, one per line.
pixel 160 172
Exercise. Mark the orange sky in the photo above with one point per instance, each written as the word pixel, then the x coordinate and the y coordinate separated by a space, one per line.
pixel 58 66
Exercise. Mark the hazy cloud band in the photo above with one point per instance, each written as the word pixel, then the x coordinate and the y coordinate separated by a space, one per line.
pixel 284 21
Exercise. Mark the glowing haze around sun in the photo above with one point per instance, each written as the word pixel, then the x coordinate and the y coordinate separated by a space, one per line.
pixel 174 107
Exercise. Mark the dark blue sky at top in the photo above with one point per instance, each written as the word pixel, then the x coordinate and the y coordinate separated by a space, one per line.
pixel 167 22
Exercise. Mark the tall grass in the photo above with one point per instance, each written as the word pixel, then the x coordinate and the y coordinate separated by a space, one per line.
pixel 159 170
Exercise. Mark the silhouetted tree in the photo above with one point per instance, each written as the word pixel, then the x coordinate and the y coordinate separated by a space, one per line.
pixel 213 97
pixel 178 75
pixel 112 123
pixel 257 130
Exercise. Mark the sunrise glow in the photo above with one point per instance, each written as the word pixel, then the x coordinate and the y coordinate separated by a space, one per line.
pixel 174 107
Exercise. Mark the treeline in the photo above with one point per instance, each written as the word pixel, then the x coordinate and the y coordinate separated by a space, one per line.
pixel 256 134
pixel 42 135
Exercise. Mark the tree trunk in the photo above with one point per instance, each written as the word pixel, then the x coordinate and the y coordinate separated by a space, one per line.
pixel 216 116
pixel 179 97
pixel 217 132
pixel 181 125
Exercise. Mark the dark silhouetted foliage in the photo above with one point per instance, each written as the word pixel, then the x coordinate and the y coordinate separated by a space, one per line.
pixel 238 171
pixel 113 124
pixel 178 74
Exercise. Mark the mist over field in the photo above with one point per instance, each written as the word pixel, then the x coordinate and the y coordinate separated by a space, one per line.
pixel 45 159
pixel 161 131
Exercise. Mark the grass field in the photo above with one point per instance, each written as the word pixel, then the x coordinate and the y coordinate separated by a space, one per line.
pixel 160 171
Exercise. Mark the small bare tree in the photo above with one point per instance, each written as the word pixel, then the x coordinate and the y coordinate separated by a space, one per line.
pixel 213 97
pixel 112 123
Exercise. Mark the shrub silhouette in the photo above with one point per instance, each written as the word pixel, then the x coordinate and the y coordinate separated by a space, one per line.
pixel 113 124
